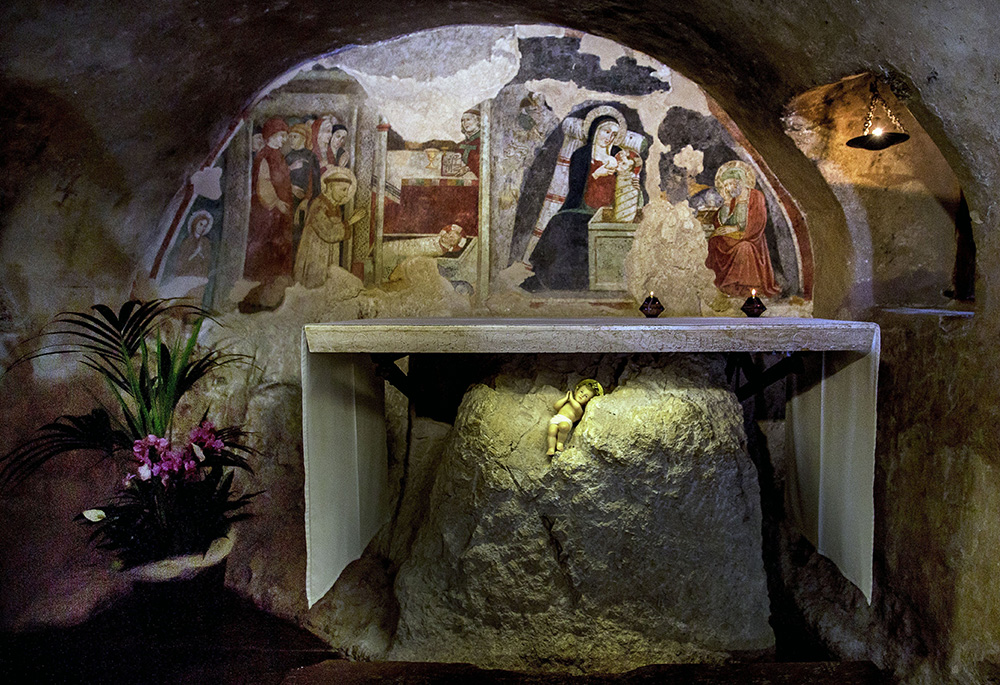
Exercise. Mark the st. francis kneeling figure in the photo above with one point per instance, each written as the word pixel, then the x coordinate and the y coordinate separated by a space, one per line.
pixel 569 410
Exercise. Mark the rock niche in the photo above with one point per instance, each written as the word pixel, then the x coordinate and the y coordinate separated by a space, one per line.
pixel 639 543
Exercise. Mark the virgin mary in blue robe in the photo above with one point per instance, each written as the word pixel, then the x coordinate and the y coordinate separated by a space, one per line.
pixel 560 259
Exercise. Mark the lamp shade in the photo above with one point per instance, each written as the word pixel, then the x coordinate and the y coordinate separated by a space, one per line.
pixel 881 141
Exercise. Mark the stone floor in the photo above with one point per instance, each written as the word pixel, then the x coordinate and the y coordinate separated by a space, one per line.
pixel 234 642
pixel 799 673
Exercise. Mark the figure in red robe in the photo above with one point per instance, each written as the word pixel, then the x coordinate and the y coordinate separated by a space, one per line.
pixel 470 147
pixel 269 238
pixel 737 248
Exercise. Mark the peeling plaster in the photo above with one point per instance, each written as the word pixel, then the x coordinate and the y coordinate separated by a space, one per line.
pixel 609 52
pixel 207 182
pixel 606 50
pixel 539 31
pixel 690 159
pixel 457 75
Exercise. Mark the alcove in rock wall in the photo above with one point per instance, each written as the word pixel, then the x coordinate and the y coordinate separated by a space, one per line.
pixel 640 543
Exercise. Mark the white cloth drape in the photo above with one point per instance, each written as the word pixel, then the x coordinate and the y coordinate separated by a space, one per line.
pixel 346 471
pixel 831 467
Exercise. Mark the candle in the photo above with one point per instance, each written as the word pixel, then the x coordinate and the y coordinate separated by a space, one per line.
pixel 753 307
pixel 651 306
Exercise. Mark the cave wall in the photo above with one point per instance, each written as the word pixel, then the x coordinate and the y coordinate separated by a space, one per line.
pixel 109 118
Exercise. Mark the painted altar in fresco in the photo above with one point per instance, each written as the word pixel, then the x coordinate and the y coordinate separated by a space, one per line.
pixel 433 200
pixel 362 161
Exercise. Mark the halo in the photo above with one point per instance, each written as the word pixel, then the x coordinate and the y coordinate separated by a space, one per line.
pixel 592 384
pixel 602 111
pixel 736 167
pixel 341 173
pixel 196 216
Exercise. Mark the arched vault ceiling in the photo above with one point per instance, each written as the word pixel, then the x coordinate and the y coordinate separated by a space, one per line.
pixel 158 82
pixel 186 66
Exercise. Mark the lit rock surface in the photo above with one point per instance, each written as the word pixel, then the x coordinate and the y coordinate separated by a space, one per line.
pixel 638 544
pixel 668 257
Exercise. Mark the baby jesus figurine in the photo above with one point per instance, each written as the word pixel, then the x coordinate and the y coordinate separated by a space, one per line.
pixel 569 410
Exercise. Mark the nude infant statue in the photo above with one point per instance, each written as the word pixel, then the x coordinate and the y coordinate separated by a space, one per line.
pixel 569 409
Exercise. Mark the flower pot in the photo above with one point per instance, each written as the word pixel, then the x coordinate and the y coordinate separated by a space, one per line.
pixel 184 592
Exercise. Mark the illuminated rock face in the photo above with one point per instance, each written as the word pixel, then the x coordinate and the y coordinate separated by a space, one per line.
pixel 665 258
pixel 639 543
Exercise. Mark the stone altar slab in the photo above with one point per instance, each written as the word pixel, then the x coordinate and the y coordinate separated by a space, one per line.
pixel 831 420
pixel 409 336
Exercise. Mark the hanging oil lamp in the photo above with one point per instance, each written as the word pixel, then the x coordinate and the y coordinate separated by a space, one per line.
pixel 877 138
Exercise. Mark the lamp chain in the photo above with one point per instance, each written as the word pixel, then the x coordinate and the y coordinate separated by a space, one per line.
pixel 877 98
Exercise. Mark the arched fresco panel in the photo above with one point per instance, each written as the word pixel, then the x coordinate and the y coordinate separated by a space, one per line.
pixel 530 166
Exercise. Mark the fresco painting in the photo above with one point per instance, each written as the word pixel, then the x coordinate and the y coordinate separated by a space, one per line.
pixel 191 266
pixel 300 180
pixel 705 169
pixel 737 248
pixel 432 202
pixel 533 195
pixel 325 228
pixel 596 182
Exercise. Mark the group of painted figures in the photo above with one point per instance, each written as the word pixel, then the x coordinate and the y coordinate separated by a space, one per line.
pixel 301 180
pixel 604 172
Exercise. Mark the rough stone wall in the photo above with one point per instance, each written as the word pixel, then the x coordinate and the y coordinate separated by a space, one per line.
pixel 901 203
pixel 105 119
pixel 930 451
pixel 640 543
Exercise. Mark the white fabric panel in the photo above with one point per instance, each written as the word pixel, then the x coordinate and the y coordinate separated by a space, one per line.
pixel 344 483
pixel 372 454
pixel 804 424
pixel 831 475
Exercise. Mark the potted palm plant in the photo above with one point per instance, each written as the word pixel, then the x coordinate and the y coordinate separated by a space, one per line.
pixel 172 511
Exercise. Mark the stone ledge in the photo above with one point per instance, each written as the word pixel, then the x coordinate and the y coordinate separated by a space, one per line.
pixel 590 335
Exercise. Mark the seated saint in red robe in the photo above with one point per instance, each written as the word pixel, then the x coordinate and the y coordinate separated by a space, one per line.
pixel 737 248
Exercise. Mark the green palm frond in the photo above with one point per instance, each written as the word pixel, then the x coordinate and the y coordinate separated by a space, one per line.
pixel 236 453
pixel 146 376
pixel 113 338
pixel 197 368
pixel 90 432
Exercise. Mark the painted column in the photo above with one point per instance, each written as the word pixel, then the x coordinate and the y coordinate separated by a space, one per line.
pixel 347 247
pixel 380 164
pixel 483 269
